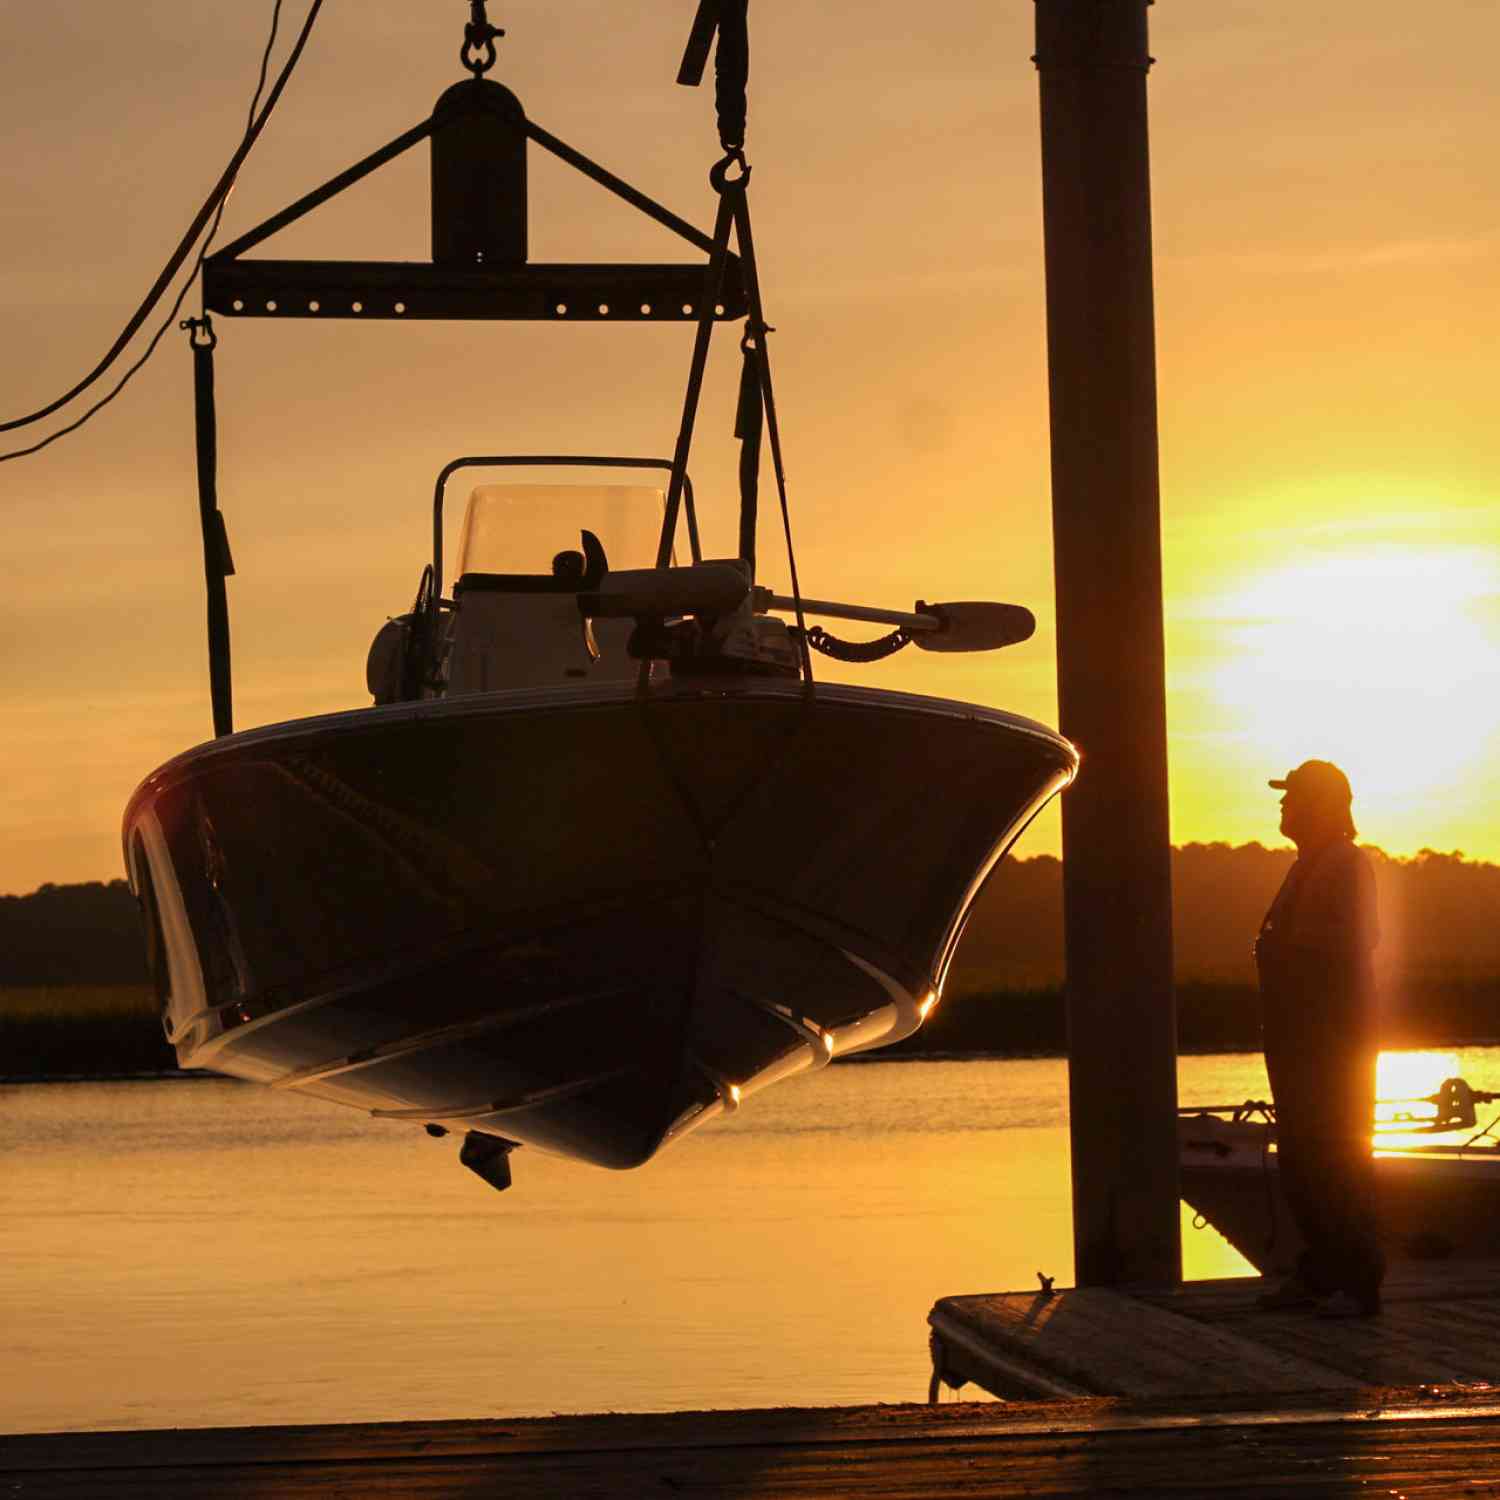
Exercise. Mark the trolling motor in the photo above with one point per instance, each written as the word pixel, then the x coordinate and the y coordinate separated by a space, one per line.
pixel 723 620
pixel 704 619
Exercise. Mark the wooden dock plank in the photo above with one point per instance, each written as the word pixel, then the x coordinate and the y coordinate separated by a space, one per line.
pixel 1111 1343
pixel 1409 1442
pixel 1441 1322
pixel 1408 1281
pixel 1407 1344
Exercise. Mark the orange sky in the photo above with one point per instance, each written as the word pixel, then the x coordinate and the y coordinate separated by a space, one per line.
pixel 1328 292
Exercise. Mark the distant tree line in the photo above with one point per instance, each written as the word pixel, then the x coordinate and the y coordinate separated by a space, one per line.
pixel 1439 960
pixel 72 935
pixel 1439 915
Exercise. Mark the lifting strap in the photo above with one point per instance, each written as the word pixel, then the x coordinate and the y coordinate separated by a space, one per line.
pixel 756 329
pixel 757 400
pixel 748 422
pixel 729 19
pixel 713 282
pixel 217 562
pixel 732 72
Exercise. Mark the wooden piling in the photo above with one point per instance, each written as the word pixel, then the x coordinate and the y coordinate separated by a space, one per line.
pixel 1092 62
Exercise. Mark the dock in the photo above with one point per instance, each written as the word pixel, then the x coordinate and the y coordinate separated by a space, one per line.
pixel 1184 1392
pixel 1440 1326
pixel 1434 1443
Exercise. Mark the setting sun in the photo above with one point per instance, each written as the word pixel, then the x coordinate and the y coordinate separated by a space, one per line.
pixel 1383 658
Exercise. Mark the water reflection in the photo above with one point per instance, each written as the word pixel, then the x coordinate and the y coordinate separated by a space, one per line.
pixel 205 1253
pixel 1405 1083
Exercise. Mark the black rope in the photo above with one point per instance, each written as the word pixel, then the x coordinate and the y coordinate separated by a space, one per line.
pixel 217 562
pixel 213 207
pixel 857 651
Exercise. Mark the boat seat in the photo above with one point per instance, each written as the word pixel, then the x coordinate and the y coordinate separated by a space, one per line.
pixel 515 630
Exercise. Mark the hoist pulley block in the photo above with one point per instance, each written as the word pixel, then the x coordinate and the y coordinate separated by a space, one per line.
pixel 478 176
pixel 479 137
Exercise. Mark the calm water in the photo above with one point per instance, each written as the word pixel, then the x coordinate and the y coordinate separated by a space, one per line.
pixel 194 1254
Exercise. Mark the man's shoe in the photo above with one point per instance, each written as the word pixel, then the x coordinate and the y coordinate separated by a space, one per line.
pixel 1347 1305
pixel 1293 1293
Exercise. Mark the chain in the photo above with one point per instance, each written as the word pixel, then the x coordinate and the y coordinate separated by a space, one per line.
pixel 478 51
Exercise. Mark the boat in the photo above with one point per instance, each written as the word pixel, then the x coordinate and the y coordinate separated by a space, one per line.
pixel 601 859
pixel 1434 1201
pixel 568 911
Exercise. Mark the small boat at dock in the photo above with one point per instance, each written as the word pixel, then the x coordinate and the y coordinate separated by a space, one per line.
pixel 1435 1200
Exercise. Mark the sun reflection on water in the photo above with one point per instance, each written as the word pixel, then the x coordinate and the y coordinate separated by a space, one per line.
pixel 1404 1084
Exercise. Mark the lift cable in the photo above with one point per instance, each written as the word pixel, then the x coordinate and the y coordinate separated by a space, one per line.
pixel 213 208
pixel 728 20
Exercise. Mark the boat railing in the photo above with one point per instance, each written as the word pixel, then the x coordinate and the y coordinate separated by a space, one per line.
pixel 1239 1114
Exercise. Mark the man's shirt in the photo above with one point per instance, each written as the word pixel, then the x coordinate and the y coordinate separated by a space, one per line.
pixel 1327 902
pixel 1314 955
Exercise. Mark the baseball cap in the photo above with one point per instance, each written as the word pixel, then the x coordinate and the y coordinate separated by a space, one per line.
pixel 1317 778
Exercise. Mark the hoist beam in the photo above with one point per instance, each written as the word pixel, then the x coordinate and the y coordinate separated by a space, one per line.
pixel 407 290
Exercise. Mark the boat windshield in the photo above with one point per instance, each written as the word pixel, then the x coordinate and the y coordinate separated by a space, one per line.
pixel 520 528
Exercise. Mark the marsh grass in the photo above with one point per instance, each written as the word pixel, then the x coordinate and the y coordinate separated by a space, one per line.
pixel 52 1031
pixel 102 1031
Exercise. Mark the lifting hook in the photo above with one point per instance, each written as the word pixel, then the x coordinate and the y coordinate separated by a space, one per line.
pixel 478 51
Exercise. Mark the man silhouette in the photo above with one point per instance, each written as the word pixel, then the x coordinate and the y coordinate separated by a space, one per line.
pixel 1318 1020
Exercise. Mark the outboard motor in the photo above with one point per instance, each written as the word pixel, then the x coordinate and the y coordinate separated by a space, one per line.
pixel 406 657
